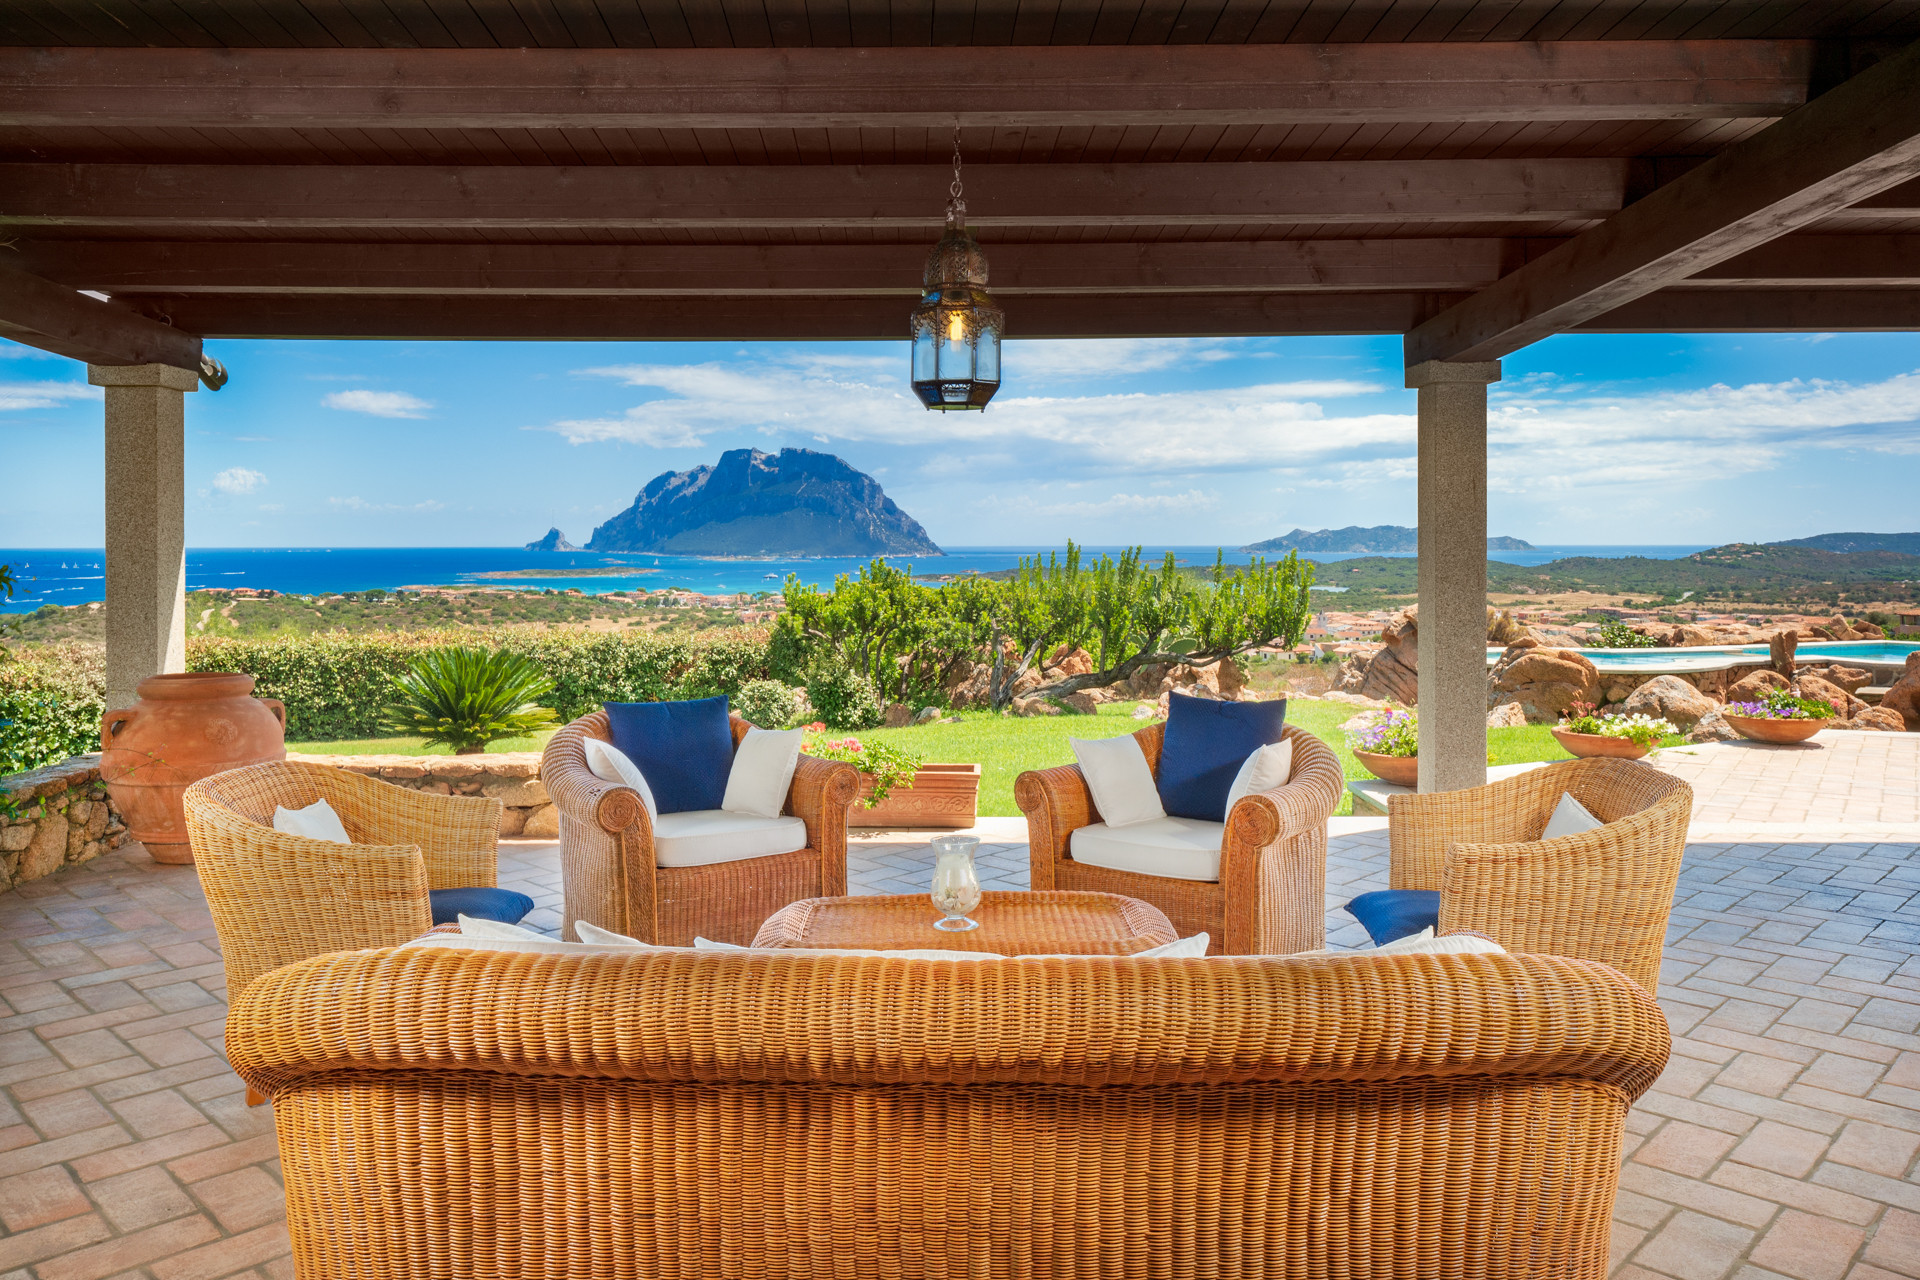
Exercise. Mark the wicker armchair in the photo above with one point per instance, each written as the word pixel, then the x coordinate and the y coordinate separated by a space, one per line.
pixel 453 1113
pixel 607 856
pixel 1600 895
pixel 1271 895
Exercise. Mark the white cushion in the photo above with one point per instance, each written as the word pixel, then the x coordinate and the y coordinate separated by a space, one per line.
pixel 1424 943
pixel 1179 949
pixel 1117 774
pixel 593 933
pixel 539 945
pixel 610 764
pixel 762 771
pixel 1173 848
pixel 1267 768
pixel 317 821
pixel 701 837
pixel 1570 818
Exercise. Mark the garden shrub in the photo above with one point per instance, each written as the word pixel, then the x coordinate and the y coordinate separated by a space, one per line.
pixel 54 696
pixel 766 703
pixel 842 697
pixel 338 684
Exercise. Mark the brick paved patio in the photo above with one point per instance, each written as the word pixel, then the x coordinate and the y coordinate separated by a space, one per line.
pixel 1781 1141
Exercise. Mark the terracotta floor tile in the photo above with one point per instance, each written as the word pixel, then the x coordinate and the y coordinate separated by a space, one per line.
pixel 1685 1148
pixel 1896 1243
pixel 1782 1149
pixel 242 1199
pixel 1808 1248
pixel 29 1200
pixel 1756 1073
pixel 1870 1146
pixel 1693 1246
pixel 60 1114
pixel 140 1198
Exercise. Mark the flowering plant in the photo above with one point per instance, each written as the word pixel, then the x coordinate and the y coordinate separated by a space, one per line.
pixel 888 766
pixel 1642 730
pixel 1396 733
pixel 1778 704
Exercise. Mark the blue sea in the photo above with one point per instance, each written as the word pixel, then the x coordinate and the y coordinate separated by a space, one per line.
pixel 76 576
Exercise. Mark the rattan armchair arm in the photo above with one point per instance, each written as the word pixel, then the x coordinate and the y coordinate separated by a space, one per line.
pixel 278 898
pixel 680 1016
pixel 1421 827
pixel 458 836
pixel 1273 857
pixel 819 796
pixel 1057 802
pixel 1602 895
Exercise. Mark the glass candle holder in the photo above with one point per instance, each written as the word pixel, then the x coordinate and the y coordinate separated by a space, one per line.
pixel 956 883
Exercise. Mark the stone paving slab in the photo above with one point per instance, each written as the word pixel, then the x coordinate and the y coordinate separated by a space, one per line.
pixel 1780 1142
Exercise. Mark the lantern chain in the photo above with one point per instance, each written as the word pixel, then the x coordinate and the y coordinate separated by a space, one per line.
pixel 956 203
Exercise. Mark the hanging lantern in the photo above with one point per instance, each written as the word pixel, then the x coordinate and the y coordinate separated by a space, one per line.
pixel 956 328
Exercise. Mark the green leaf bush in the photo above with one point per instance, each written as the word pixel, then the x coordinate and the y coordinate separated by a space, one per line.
pixel 766 703
pixel 52 697
pixel 842 697
pixel 467 697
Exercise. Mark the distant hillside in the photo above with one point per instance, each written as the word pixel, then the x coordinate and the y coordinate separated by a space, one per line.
pixel 1905 543
pixel 1381 539
pixel 554 541
pixel 797 502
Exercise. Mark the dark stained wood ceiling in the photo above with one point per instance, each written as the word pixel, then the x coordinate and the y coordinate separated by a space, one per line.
pixel 1228 166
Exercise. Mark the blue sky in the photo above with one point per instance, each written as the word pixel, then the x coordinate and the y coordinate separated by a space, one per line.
pixel 1658 439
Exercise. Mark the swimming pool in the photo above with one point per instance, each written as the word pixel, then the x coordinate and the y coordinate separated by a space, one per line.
pixel 1865 653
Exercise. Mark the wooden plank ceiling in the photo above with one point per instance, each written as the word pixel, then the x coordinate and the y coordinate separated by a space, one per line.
pixel 777 169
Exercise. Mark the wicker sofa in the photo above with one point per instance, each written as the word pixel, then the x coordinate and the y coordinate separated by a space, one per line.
pixel 446 1113
pixel 607 855
pixel 1270 898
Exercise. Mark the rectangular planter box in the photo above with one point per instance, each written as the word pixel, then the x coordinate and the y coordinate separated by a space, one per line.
pixel 942 795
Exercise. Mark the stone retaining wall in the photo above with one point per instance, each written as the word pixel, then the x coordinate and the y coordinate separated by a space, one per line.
pixel 53 817
pixel 511 777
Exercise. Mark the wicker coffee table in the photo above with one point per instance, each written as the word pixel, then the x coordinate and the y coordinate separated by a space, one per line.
pixel 1011 923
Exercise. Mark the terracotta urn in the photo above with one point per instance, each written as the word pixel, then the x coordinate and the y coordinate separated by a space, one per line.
pixel 1764 729
pixel 1402 771
pixel 184 728
pixel 1587 745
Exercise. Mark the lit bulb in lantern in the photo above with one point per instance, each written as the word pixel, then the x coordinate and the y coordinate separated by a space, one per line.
pixel 956 327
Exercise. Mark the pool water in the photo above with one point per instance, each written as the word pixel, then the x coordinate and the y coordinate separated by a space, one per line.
pixel 1869 653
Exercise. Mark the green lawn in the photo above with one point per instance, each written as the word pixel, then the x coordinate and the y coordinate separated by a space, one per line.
pixel 1007 746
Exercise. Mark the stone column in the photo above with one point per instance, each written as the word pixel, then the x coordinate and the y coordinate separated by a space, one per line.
pixel 1453 571
pixel 145 523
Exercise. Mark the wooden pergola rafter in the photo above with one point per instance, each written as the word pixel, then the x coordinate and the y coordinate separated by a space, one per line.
pixel 1472 174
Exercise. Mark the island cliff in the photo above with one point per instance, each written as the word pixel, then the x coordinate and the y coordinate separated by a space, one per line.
pixel 1380 539
pixel 797 502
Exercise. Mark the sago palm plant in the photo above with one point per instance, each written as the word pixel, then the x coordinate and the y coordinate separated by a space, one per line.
pixel 467 698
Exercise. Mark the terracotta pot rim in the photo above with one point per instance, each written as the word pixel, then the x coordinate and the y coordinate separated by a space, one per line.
pixel 194 684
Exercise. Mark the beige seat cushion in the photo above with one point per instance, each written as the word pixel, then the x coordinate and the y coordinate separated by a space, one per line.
pixel 1174 848
pixel 701 837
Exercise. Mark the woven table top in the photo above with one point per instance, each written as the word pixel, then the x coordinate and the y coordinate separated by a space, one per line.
pixel 1011 923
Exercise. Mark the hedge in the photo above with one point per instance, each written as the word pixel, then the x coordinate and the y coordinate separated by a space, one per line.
pixel 335 684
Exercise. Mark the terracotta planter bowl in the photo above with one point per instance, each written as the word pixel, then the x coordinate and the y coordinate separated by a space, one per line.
pixel 1764 730
pixel 1402 771
pixel 1588 745
pixel 941 796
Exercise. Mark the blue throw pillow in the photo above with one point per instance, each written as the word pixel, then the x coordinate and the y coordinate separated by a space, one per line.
pixel 1387 914
pixel 504 905
pixel 1206 743
pixel 683 749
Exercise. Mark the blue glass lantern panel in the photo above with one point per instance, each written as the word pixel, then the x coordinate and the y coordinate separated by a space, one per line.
pixel 987 362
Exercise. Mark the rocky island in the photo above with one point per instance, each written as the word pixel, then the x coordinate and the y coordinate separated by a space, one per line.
pixel 1381 539
pixel 797 502
pixel 554 541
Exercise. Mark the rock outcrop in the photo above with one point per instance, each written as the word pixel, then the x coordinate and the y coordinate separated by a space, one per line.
pixel 1545 683
pixel 1852 679
pixel 1713 727
pixel 1753 686
pixel 797 502
pixel 1394 673
pixel 1844 704
pixel 554 541
pixel 1903 696
pixel 1877 719
pixel 1670 698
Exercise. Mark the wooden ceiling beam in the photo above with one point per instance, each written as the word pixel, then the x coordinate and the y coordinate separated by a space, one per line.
pixel 197 266
pixel 1851 143
pixel 1692 310
pixel 901 88
pixel 53 317
pixel 772 197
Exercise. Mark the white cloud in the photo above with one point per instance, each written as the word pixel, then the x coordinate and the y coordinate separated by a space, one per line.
pixel 361 504
pixel 867 401
pixel 381 404
pixel 1133 504
pixel 238 480
pixel 44 395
